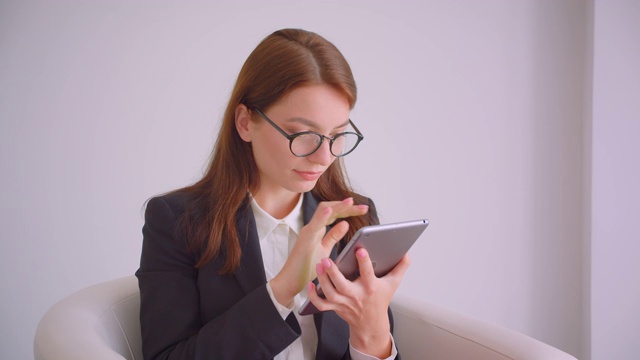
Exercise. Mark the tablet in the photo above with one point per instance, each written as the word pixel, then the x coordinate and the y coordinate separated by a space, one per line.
pixel 386 245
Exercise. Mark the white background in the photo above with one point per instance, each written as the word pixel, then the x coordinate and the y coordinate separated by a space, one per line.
pixel 512 125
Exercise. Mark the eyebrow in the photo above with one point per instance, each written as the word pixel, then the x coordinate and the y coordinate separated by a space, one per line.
pixel 311 123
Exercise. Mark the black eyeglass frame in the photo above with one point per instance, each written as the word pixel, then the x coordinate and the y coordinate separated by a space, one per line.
pixel 291 137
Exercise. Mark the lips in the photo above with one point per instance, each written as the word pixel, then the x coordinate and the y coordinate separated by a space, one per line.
pixel 309 175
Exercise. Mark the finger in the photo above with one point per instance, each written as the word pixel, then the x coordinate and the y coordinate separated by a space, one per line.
pixel 317 226
pixel 329 211
pixel 320 303
pixel 346 208
pixel 341 209
pixel 340 283
pixel 364 265
pixel 337 232
pixel 325 282
pixel 320 217
pixel 326 301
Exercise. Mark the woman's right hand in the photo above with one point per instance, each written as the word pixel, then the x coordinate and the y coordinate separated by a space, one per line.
pixel 314 243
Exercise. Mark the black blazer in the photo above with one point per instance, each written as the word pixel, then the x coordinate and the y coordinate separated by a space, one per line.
pixel 190 313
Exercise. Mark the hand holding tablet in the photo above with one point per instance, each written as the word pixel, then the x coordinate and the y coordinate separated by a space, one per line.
pixel 386 245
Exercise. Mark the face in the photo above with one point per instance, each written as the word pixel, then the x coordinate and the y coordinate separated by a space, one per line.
pixel 317 108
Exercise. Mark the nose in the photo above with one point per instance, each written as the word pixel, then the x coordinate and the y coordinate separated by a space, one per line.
pixel 323 155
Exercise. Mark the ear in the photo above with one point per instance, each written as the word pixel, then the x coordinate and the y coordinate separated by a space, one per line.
pixel 243 121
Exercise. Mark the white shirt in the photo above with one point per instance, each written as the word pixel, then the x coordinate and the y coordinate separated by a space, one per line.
pixel 277 238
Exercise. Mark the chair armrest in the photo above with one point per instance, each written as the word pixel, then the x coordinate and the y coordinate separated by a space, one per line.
pixel 97 322
pixel 426 331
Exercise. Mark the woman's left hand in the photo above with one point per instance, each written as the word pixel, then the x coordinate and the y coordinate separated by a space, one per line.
pixel 362 303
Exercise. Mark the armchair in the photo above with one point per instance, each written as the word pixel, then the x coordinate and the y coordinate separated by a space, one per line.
pixel 102 322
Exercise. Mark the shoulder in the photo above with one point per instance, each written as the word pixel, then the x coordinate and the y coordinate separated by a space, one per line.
pixel 166 212
pixel 175 201
pixel 165 244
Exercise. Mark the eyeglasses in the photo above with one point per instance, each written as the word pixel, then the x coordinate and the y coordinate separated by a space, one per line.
pixel 307 142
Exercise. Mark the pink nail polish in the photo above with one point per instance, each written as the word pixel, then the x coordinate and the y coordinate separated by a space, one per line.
pixel 361 253
pixel 326 263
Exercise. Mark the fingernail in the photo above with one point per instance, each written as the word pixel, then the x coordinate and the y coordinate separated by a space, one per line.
pixel 319 269
pixel 348 200
pixel 363 206
pixel 326 263
pixel 361 253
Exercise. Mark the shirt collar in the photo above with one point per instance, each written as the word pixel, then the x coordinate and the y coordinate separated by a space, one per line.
pixel 265 223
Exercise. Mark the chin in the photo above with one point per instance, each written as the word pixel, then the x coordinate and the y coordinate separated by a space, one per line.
pixel 304 186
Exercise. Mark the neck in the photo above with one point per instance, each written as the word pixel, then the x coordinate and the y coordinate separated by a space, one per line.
pixel 277 205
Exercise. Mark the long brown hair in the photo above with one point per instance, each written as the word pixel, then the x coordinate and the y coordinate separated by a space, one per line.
pixel 283 61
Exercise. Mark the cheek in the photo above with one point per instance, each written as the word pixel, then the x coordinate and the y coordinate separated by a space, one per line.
pixel 270 151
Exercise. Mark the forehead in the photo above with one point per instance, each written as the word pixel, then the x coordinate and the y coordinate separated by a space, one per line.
pixel 315 105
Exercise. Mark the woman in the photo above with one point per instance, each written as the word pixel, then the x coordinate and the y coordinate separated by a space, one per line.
pixel 227 262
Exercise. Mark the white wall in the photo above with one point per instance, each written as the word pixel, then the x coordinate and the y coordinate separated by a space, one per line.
pixel 615 240
pixel 473 115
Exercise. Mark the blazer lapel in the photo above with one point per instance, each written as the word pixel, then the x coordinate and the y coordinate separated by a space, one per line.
pixel 309 206
pixel 250 275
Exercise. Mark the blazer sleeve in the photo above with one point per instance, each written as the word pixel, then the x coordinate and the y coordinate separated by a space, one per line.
pixel 170 316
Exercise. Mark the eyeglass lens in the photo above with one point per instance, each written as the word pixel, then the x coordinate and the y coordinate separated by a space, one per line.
pixel 306 144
